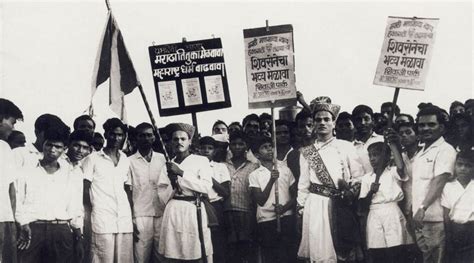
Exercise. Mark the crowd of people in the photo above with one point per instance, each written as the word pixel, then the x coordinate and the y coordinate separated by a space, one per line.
pixel 358 186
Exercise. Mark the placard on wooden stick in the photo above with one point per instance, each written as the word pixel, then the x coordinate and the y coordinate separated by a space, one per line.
pixel 406 52
pixel 270 66
pixel 190 76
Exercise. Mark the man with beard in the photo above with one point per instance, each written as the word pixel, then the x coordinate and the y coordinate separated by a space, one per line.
pixel 344 127
pixel 362 117
pixel 185 235
pixel 107 189
pixel 432 167
pixel 323 193
pixel 145 167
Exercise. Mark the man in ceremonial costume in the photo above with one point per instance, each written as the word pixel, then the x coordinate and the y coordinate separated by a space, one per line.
pixel 185 235
pixel 329 232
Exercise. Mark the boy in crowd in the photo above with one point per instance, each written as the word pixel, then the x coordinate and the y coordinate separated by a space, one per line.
pixel 239 213
pixel 79 146
pixel 107 190
pixel 278 246
pixel 220 191
pixel 282 132
pixel 32 152
pixel 363 119
pixel 9 114
pixel 381 190
pixel 145 167
pixel 457 200
pixel 51 214
pixel 344 127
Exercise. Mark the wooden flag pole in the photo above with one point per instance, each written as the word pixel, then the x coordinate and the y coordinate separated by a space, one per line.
pixel 152 119
pixel 275 167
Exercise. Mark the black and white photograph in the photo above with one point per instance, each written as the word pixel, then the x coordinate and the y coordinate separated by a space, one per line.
pixel 236 131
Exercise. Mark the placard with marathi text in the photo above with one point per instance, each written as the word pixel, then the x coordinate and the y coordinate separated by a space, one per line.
pixel 270 66
pixel 189 76
pixel 406 52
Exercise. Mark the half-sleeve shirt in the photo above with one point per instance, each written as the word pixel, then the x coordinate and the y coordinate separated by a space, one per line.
pixel 428 163
pixel 260 178
pixel 111 212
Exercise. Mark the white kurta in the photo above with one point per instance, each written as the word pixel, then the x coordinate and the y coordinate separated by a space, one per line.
pixel 342 162
pixel 179 230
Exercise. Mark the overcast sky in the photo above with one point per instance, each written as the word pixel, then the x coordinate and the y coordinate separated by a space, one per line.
pixel 48 51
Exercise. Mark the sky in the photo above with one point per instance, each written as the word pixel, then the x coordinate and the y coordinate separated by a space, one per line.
pixel 48 51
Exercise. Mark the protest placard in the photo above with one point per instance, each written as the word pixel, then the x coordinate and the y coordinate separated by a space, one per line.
pixel 270 66
pixel 190 76
pixel 406 52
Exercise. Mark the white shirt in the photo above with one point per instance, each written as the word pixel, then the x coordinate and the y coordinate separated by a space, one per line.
pixel 144 176
pixel 341 160
pixel 428 163
pixel 111 212
pixel 389 189
pixel 459 200
pixel 363 153
pixel 56 196
pixel 221 175
pixel 27 156
pixel 197 177
pixel 7 176
pixel 260 178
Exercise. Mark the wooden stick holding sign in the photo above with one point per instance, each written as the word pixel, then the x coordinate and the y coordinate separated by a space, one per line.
pixel 275 167
pixel 270 77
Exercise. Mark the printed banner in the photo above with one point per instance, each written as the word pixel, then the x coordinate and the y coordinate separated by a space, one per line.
pixel 189 76
pixel 406 52
pixel 270 66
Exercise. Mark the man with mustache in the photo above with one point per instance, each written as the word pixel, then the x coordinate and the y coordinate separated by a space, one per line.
pixel 433 166
pixel 185 235
pixel 323 193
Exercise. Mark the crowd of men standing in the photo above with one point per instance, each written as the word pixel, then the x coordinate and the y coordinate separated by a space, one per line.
pixel 352 187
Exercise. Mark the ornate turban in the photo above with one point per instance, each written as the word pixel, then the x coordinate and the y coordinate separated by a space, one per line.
pixel 323 103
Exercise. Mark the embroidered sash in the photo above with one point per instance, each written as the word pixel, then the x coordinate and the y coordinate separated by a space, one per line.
pixel 316 163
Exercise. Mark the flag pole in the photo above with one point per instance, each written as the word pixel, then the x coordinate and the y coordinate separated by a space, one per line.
pixel 153 122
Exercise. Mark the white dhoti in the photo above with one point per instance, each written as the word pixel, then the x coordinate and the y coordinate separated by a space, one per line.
pixel 179 237
pixel 316 240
